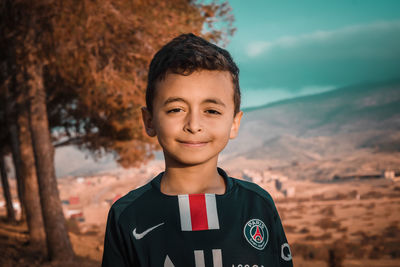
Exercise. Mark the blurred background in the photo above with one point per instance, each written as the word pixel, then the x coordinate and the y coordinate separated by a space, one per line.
pixel 320 88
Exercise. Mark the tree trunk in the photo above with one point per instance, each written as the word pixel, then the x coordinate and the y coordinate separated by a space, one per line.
pixel 12 128
pixel 31 193
pixel 58 242
pixel 6 191
pixel 10 111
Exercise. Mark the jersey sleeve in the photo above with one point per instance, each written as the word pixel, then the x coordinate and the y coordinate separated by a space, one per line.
pixel 285 257
pixel 115 251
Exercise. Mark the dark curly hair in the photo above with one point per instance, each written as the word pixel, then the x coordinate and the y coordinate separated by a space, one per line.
pixel 184 55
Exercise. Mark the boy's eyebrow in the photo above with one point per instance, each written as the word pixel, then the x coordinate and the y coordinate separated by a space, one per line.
pixel 174 99
pixel 180 99
pixel 214 101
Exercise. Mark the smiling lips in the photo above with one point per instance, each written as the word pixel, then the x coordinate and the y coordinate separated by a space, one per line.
pixel 193 143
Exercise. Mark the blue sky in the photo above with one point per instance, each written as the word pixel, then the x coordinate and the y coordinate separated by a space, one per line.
pixel 290 48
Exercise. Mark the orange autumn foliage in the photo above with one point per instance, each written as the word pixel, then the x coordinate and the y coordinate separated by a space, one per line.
pixel 97 75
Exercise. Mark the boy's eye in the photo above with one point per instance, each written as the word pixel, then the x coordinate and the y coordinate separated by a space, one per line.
pixel 174 110
pixel 213 111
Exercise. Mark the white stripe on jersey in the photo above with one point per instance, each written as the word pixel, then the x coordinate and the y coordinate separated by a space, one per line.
pixel 217 257
pixel 212 214
pixel 168 262
pixel 199 258
pixel 184 212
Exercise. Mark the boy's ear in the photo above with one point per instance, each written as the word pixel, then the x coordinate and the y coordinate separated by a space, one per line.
pixel 236 125
pixel 148 122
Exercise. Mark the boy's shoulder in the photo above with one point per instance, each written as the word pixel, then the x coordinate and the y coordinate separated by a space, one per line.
pixel 129 199
pixel 255 189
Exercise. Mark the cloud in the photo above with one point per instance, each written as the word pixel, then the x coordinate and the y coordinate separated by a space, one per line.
pixel 350 55
pixel 355 35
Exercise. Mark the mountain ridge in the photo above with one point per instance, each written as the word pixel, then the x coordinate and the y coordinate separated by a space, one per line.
pixel 360 86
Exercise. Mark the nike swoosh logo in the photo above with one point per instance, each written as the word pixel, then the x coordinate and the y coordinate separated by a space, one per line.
pixel 141 235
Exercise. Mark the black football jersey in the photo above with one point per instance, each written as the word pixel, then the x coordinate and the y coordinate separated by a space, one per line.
pixel 240 228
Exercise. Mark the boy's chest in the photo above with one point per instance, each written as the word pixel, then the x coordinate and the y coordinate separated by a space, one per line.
pixel 203 230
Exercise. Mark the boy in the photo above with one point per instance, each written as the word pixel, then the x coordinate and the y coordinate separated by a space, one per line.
pixel 193 214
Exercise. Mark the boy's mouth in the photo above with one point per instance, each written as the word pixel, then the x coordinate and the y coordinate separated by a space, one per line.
pixel 193 143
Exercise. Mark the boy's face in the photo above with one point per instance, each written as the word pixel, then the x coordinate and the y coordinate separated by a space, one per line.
pixel 193 116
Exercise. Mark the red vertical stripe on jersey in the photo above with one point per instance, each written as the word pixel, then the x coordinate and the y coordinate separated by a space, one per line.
pixel 198 212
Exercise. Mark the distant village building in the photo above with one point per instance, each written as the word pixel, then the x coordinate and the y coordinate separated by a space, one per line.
pixel 358 176
pixel 393 174
pixel 74 200
pixel 73 208
pixel 267 177
pixel 386 174
pixel 290 192
pixel 389 174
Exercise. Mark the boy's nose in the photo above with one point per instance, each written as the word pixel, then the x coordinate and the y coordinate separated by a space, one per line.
pixel 193 123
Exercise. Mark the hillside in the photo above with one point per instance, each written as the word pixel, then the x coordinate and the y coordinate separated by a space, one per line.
pixel 341 132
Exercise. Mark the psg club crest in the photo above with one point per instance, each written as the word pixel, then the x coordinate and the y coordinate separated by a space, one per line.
pixel 256 233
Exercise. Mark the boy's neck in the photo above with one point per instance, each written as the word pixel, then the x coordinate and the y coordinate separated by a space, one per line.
pixel 199 179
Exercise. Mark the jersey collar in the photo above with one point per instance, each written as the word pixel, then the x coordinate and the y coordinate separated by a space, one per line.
pixel 228 181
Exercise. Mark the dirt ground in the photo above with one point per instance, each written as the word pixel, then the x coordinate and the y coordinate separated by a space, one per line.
pixel 356 223
pixel 351 223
